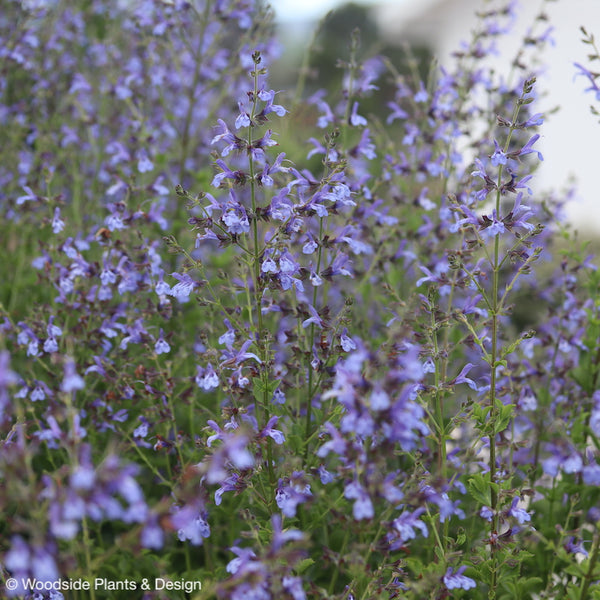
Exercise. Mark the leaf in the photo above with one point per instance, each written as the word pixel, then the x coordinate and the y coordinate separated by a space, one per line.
pixel 304 564
pixel 527 584
pixel 574 569
pixel 479 488
pixel 573 592
pixel 260 389
pixel 503 418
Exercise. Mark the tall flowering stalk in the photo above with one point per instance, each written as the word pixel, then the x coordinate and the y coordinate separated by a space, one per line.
pixel 500 254
pixel 322 380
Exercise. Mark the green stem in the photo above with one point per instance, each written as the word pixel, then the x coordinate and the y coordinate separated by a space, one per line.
pixel 496 302
pixel 341 553
pixel 439 410
pixel 257 253
pixel 88 561
pixel 589 576
pixel 308 427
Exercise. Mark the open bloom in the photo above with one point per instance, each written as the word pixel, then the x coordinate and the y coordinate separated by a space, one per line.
pixel 457 580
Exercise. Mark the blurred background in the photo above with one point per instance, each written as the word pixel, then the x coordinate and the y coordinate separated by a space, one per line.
pixel 570 136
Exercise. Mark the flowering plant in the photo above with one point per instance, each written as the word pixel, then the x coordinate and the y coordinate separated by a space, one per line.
pixel 284 369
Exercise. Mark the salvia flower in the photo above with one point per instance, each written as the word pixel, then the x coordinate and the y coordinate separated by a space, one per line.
pixel 291 492
pixel 184 288
pixel 270 431
pixel 72 381
pixel 363 506
pixel 455 580
pixel 520 514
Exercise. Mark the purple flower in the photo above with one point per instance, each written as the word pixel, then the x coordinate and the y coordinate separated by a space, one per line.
pixel 7 379
pixel 575 546
pixel 233 452
pixel 234 216
pixel 347 343
pixel 228 485
pixel 233 141
pixel 595 416
pixel 281 536
pixel 238 177
pixel 293 586
pixel 40 392
pixel 591 474
pixel 379 399
pixel 492 227
pixel 456 580
pixel 324 475
pixel 355 118
pixel 533 121
pixel 152 535
pixel 462 377
pixel 243 118
pixel 184 288
pixel 25 561
pixel 486 513
pixel 404 526
pixel 194 530
pixel 528 147
pixel 231 358
pixel 269 107
pixel 313 319
pixel 144 164
pixel 274 434
pixel 592 79
pixel 291 492
pixel 57 223
pixel 258 146
pixel 363 507
pixel 565 457
pixel 519 514
pixel 397 113
pixel 265 178
pixel 421 95
pixel 499 156
pixel 71 381
pixel 162 346
pixel 206 378
pixel 30 195
pixel 243 558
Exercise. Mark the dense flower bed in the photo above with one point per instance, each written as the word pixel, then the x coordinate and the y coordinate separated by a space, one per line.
pixel 258 346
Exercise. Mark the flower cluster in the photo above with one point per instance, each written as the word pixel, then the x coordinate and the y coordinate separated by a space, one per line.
pixel 292 348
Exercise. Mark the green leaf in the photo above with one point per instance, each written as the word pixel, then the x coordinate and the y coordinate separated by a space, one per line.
pixel 259 388
pixel 304 564
pixel 573 592
pixel 439 553
pixel 574 569
pixel 414 565
pixel 479 488
pixel 526 585
pixel 503 418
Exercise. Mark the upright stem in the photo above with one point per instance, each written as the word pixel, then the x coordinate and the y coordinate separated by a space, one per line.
pixel 589 576
pixel 439 410
pixel 256 255
pixel 496 307
pixel 308 428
